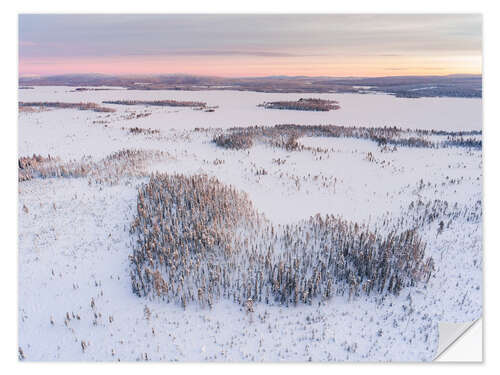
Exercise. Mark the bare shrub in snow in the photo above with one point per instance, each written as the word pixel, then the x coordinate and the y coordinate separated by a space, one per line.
pixel 137 130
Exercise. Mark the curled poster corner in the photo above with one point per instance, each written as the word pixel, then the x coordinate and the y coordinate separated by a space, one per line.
pixel 460 342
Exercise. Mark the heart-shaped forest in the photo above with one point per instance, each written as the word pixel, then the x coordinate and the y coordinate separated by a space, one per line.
pixel 199 240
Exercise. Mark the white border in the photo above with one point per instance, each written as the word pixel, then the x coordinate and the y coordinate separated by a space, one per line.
pixel 8 311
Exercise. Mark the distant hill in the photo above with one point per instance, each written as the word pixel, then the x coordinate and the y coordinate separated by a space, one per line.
pixel 456 85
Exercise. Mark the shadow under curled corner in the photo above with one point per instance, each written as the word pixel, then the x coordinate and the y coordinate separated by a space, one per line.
pixel 460 342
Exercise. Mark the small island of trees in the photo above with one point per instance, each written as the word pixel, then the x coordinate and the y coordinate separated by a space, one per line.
pixel 304 104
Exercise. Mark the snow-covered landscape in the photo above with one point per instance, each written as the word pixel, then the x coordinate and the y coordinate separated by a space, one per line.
pixel 410 165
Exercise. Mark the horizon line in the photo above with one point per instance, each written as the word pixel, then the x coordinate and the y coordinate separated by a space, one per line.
pixel 239 77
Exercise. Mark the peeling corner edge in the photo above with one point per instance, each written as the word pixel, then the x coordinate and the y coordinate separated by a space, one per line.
pixel 451 333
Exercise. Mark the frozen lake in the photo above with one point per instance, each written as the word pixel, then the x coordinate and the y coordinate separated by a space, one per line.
pixel 239 108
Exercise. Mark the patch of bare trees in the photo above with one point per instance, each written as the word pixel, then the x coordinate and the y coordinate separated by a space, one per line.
pixel 198 240
pixel 236 141
pixel 287 136
pixel 108 170
pixel 159 103
pixel 81 106
pixel 304 104
pixel 137 130
pixel 456 141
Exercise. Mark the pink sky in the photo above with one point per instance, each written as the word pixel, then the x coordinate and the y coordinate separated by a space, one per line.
pixel 250 45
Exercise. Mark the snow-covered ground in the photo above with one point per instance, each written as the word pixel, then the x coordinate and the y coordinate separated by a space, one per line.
pixel 74 239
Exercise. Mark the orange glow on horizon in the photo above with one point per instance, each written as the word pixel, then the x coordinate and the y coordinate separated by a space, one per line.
pixel 248 66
